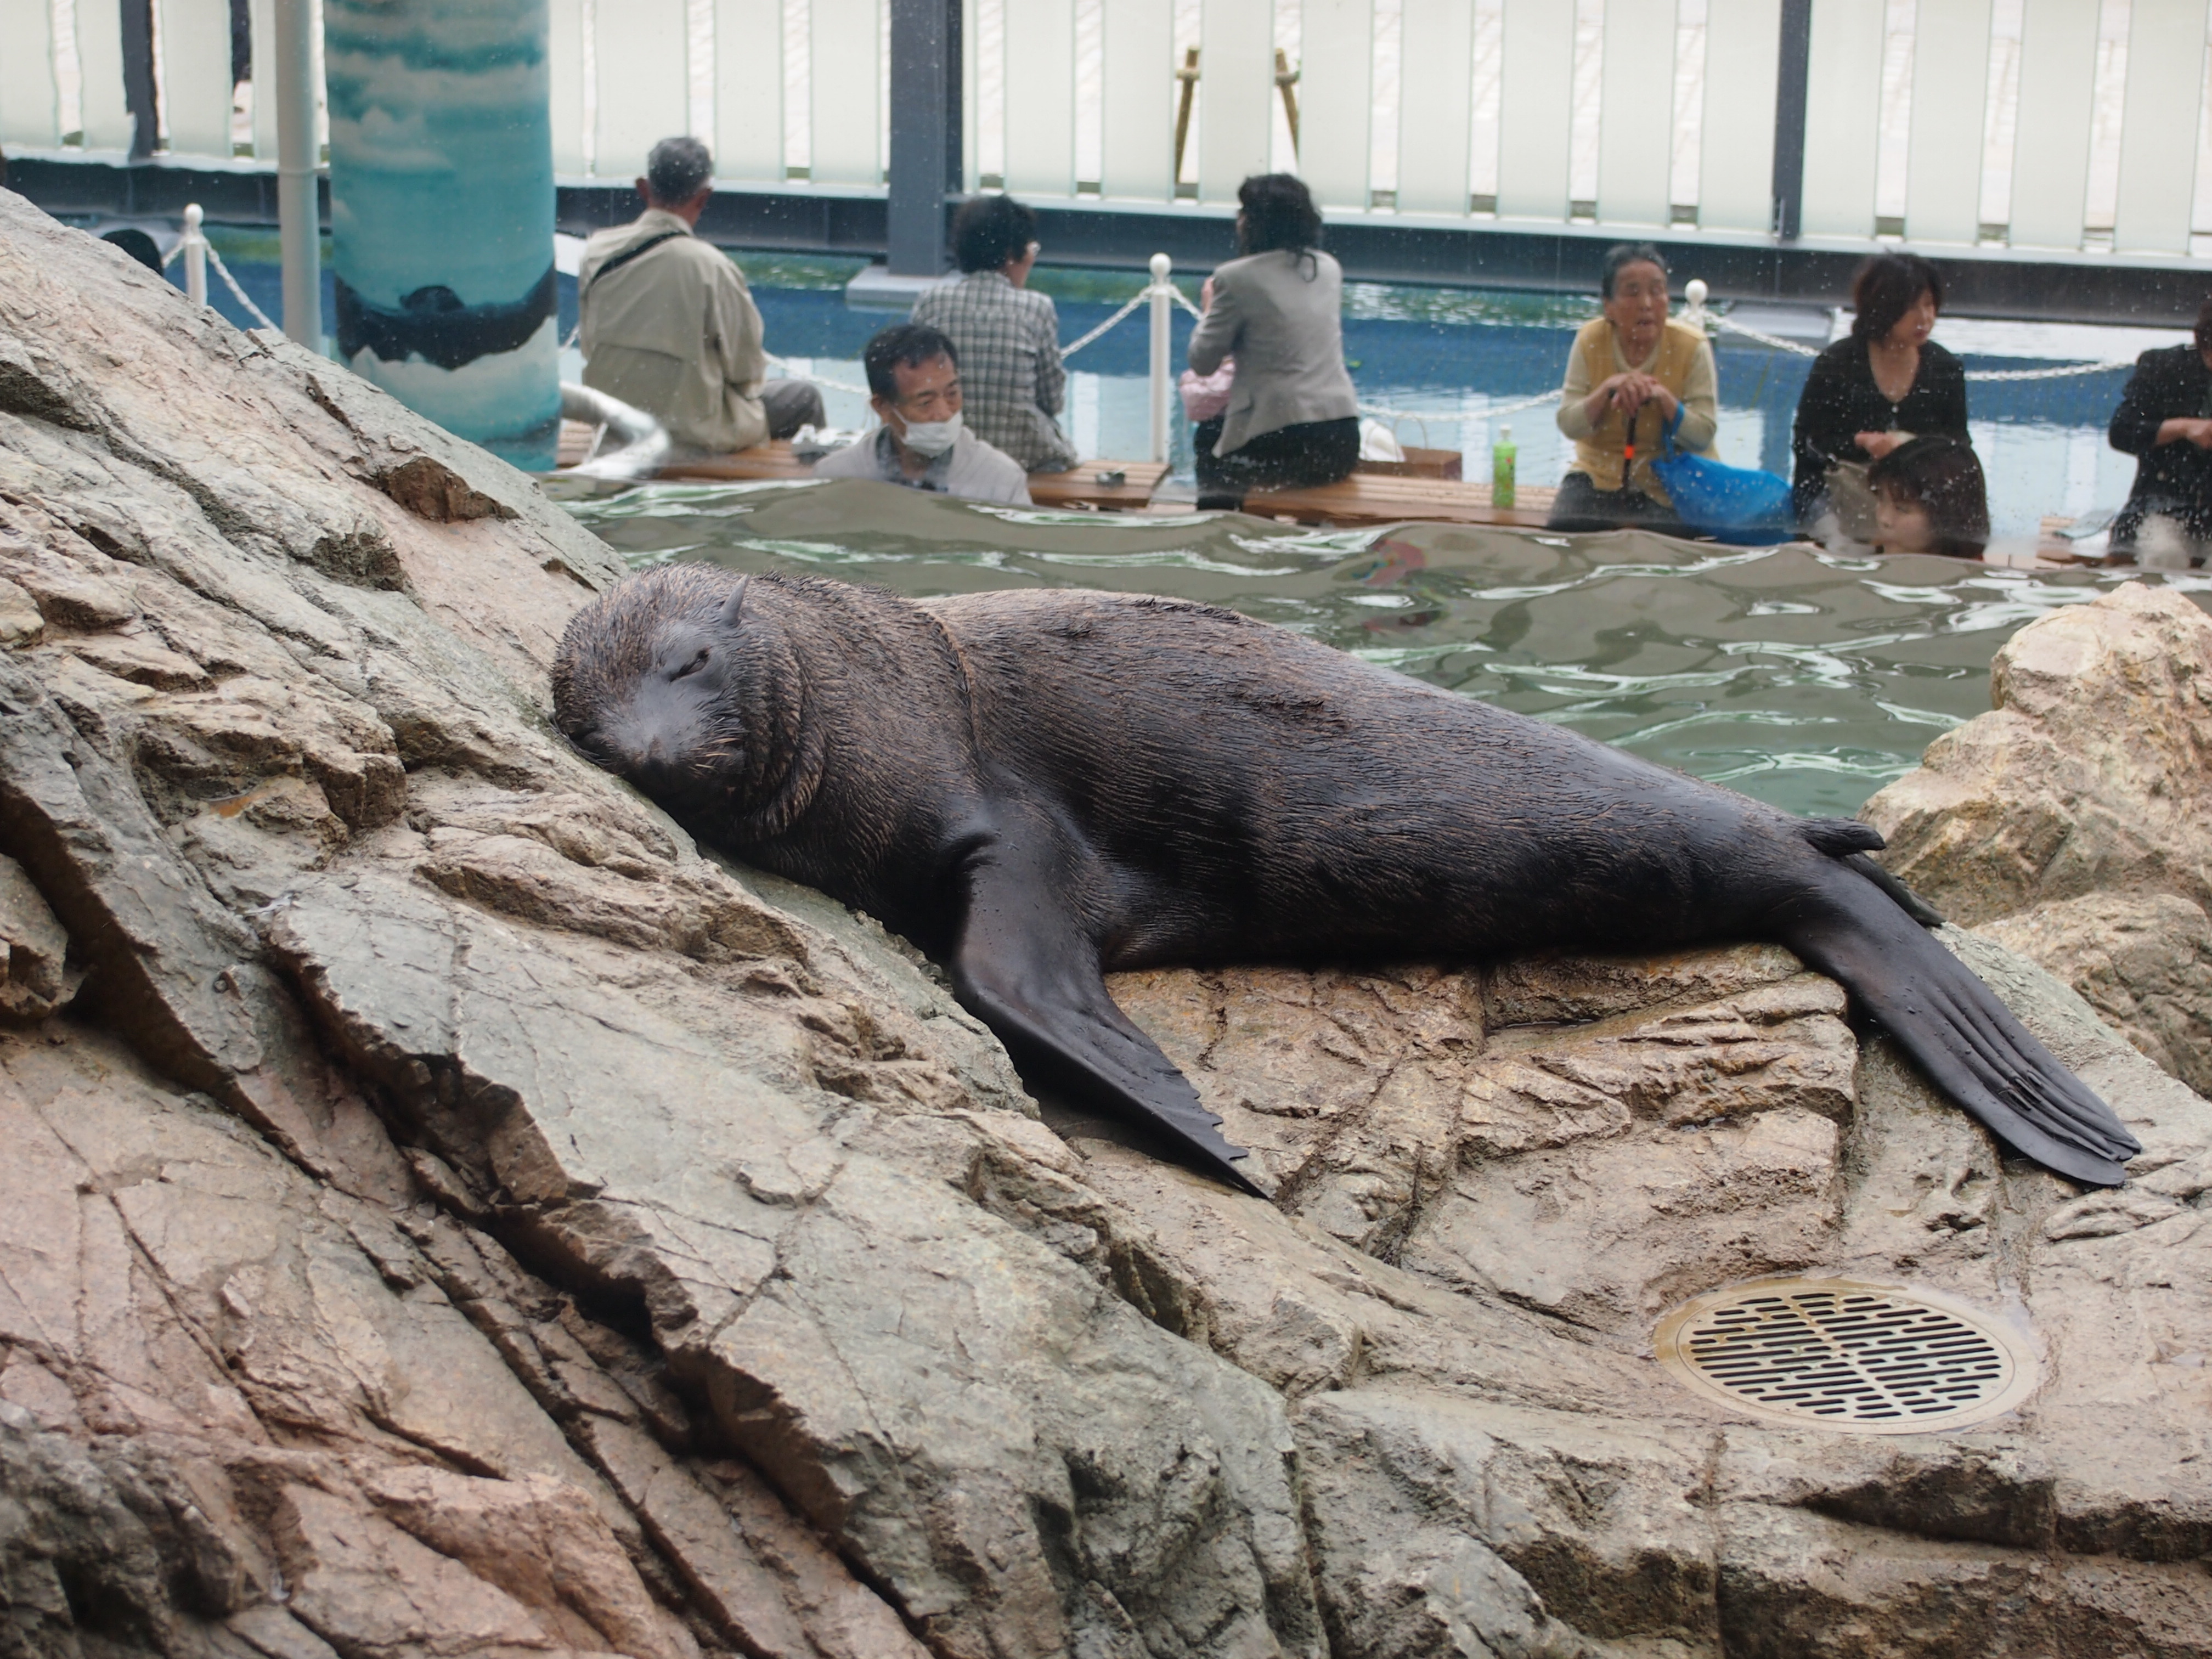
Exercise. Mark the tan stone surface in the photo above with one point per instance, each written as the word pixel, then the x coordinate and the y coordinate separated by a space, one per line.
pixel 2141 960
pixel 2072 822
pixel 453 1216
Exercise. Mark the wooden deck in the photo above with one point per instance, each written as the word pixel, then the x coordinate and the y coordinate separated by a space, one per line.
pixel 762 461
pixel 2055 548
pixel 1102 486
pixel 1420 463
pixel 1372 498
pixel 1425 486
pixel 1090 484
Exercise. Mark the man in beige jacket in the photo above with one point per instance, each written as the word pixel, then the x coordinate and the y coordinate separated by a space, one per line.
pixel 669 326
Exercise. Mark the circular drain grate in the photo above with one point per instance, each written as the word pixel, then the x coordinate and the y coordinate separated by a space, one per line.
pixel 1839 1354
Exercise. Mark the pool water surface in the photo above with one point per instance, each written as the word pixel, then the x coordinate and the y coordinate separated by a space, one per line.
pixel 1801 677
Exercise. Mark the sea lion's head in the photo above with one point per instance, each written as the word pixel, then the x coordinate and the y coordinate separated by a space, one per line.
pixel 674 681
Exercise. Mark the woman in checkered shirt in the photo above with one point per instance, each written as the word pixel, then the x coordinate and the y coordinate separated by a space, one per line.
pixel 1008 338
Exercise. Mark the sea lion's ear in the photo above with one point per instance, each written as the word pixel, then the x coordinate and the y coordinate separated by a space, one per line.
pixel 733 608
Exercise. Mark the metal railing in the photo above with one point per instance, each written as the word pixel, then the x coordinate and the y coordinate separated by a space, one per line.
pixel 2057 125
pixel 65 66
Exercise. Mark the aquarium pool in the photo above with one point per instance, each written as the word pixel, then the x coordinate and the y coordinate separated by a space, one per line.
pixel 1803 678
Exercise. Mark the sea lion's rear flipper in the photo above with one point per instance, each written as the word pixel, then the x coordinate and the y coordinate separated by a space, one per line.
pixel 1970 1046
pixel 1913 904
pixel 1025 968
pixel 1850 840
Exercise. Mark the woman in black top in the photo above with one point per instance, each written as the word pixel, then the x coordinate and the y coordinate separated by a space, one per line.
pixel 1884 384
pixel 2164 420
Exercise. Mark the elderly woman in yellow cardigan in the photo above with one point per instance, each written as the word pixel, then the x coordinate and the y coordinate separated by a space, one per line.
pixel 1631 372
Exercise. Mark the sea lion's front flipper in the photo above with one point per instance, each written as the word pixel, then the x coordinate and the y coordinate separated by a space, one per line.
pixel 1026 969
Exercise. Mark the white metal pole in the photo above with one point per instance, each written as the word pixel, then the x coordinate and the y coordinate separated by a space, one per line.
pixel 1693 309
pixel 299 218
pixel 195 256
pixel 1161 388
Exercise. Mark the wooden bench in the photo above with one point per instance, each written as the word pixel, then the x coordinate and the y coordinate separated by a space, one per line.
pixel 771 460
pixel 1082 486
pixel 1419 464
pixel 2054 548
pixel 1369 497
pixel 1426 484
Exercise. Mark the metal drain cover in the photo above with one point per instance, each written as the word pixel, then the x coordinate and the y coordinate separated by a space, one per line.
pixel 1837 1354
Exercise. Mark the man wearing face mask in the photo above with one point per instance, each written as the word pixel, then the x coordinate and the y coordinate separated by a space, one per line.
pixel 913 382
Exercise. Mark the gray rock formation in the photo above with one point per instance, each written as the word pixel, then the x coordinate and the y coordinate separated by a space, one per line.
pixel 2072 822
pixel 443 1213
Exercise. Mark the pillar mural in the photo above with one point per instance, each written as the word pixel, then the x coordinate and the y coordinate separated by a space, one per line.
pixel 441 213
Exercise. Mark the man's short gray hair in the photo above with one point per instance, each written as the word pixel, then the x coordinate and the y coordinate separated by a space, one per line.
pixel 677 170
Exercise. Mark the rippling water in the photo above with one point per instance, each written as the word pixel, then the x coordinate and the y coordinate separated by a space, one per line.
pixel 1801 677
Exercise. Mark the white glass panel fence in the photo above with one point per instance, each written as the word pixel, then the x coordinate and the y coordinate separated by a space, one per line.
pixel 2055 127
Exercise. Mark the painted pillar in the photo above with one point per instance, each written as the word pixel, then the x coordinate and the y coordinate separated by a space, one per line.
pixel 441 213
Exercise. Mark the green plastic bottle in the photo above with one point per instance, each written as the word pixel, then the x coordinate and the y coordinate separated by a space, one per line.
pixel 1501 458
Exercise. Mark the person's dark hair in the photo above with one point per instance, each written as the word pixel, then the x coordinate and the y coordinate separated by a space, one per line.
pixel 1943 476
pixel 1279 213
pixel 677 170
pixel 138 245
pixel 1627 253
pixel 2204 325
pixel 1887 286
pixel 911 343
pixel 989 230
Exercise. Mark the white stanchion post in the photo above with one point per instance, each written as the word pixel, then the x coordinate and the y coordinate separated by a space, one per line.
pixel 299 208
pixel 1163 388
pixel 1693 304
pixel 195 256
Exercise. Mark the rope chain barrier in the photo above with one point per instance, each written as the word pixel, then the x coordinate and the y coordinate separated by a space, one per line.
pixel 1066 351
pixel 818 379
pixel 260 317
pixel 2064 371
pixel 1489 412
pixel 1143 295
pixel 237 292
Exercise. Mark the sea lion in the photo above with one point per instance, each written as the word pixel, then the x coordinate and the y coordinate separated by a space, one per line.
pixel 1040 787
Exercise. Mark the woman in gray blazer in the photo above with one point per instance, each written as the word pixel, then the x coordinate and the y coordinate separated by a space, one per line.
pixel 1292 420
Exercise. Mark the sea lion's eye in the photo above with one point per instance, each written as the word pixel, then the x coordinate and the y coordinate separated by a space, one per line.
pixel 693 666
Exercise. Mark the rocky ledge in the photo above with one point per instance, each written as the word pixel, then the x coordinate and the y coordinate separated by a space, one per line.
pixel 2073 822
pixel 443 1213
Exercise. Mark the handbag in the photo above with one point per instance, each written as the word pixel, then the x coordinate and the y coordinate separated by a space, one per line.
pixel 1729 503
pixel 1204 395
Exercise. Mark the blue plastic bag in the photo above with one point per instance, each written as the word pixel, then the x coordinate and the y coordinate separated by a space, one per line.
pixel 1729 503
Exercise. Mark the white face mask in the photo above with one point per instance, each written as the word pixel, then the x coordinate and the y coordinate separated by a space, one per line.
pixel 932 438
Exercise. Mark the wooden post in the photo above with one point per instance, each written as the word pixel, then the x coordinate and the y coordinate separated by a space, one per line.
pixel 1188 76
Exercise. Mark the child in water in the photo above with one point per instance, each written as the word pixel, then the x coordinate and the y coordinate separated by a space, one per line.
pixel 1930 497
